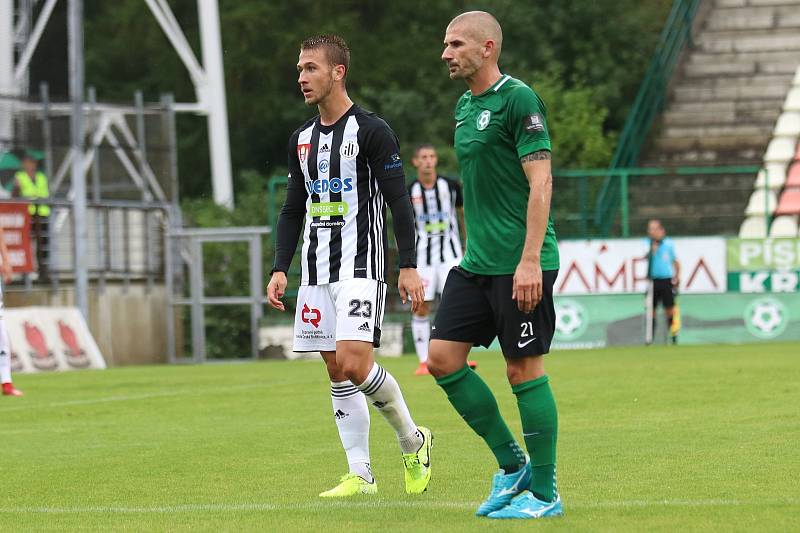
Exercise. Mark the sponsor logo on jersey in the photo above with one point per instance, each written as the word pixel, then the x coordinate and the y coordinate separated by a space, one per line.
pixel 302 152
pixel 394 162
pixel 483 119
pixel 323 166
pixel 328 209
pixel 309 315
pixel 349 149
pixel 329 185
pixel 533 123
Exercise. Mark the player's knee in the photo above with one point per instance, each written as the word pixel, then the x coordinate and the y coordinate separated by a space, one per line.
pixel 524 369
pixel 334 372
pixel 353 368
pixel 423 311
pixel 438 362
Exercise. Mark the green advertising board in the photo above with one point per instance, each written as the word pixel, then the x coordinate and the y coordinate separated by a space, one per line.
pixel 615 320
pixel 763 265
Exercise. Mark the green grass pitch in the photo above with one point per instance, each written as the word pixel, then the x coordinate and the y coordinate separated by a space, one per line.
pixel 658 439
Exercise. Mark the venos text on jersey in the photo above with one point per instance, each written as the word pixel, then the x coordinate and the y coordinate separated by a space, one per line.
pixel 334 185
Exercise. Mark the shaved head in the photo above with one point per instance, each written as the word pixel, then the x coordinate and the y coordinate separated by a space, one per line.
pixel 480 26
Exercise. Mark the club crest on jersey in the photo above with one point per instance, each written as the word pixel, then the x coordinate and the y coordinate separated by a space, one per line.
pixel 349 149
pixel 483 119
pixel 302 152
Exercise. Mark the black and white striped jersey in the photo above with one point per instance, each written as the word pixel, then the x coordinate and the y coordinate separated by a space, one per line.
pixel 438 238
pixel 342 169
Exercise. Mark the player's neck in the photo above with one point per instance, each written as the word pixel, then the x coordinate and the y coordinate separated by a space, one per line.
pixel 427 179
pixel 334 107
pixel 484 78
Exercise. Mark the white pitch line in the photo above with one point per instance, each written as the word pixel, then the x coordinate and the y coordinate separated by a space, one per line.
pixel 272 507
pixel 150 395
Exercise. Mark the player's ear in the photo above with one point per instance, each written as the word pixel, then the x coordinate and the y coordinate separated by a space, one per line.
pixel 339 72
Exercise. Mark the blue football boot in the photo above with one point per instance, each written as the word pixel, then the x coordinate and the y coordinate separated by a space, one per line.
pixel 526 505
pixel 505 487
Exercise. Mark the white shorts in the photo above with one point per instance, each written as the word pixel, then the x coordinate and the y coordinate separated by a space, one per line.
pixel 349 310
pixel 433 278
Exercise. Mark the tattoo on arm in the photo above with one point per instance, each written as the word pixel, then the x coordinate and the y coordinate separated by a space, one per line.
pixel 541 155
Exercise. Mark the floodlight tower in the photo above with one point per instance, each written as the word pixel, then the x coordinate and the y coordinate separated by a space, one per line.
pixel 207 76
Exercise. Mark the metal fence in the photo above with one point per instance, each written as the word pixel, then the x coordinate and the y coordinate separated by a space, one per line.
pixel 124 242
pixel 186 260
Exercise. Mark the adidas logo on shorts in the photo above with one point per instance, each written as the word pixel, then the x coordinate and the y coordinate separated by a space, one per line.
pixel 364 327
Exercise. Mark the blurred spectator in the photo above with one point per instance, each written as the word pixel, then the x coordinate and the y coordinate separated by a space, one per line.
pixel 31 183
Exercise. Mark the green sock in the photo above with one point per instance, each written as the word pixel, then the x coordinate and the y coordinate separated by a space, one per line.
pixel 537 408
pixel 473 400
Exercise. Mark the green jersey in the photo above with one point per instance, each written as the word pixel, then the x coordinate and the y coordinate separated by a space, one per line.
pixel 494 130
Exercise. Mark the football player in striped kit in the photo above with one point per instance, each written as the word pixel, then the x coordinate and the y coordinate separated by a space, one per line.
pixel 344 168
pixel 439 210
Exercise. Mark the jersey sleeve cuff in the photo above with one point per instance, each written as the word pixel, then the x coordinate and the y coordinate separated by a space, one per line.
pixel 531 147
pixel 407 259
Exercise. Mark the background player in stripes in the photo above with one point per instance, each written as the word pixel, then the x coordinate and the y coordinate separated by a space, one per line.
pixel 344 167
pixel 504 286
pixel 439 209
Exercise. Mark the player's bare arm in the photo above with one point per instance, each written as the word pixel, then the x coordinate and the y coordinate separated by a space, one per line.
pixel 527 289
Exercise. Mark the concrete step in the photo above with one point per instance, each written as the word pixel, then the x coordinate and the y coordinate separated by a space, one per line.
pixel 739 67
pixel 750 107
pixel 743 148
pixel 726 223
pixel 749 40
pixel 776 56
pixel 703 131
pixel 783 80
pixel 713 183
pixel 728 118
pixel 756 91
pixel 754 3
pixel 698 156
pixel 760 17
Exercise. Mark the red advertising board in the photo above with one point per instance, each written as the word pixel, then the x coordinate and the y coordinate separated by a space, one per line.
pixel 16 223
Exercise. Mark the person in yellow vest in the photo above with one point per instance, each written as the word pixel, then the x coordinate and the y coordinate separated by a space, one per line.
pixel 31 183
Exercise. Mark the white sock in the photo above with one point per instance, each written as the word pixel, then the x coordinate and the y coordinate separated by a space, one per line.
pixel 421 330
pixel 383 392
pixel 5 354
pixel 352 420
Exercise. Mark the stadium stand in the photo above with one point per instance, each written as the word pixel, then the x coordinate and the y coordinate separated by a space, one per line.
pixel 754 227
pixel 781 174
pixel 783 226
pixel 734 82
pixel 761 203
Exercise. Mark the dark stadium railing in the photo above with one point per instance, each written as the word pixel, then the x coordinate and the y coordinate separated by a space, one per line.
pixel 576 191
pixel 677 33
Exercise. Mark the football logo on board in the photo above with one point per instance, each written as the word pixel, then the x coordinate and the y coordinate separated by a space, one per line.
pixel 349 149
